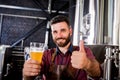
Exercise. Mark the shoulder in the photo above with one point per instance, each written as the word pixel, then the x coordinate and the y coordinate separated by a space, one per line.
pixel 89 52
pixel 47 55
pixel 49 51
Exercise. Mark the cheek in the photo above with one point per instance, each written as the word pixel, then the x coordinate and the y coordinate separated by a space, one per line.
pixel 53 36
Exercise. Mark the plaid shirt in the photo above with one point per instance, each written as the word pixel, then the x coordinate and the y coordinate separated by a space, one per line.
pixel 63 59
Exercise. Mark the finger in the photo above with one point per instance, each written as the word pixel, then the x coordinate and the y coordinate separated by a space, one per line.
pixel 75 65
pixel 34 74
pixel 31 61
pixel 32 64
pixel 30 73
pixel 31 69
pixel 81 46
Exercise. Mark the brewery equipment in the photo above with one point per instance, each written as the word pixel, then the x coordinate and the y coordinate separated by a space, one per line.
pixel 3 58
pixel 11 62
pixel 100 26
pixel 111 59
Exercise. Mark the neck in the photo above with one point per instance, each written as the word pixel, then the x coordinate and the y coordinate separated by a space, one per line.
pixel 64 49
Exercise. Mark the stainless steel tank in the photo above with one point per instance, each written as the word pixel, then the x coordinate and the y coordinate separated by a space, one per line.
pixel 2 55
pixel 100 26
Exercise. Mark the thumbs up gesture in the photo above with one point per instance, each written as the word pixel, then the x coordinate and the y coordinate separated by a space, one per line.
pixel 79 59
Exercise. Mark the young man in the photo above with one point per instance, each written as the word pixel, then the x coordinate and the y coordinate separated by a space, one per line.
pixel 65 62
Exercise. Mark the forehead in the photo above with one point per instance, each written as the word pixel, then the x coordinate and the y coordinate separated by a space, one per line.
pixel 60 25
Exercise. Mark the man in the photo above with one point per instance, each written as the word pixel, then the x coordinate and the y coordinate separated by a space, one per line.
pixel 65 62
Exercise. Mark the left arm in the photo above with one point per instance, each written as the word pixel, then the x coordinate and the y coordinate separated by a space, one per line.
pixel 83 59
pixel 90 65
pixel 93 68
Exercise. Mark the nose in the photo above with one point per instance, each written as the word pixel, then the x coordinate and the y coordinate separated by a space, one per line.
pixel 59 35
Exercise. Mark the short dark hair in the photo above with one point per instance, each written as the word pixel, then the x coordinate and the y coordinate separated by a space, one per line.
pixel 60 18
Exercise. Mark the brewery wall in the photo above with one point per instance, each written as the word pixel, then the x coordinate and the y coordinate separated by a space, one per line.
pixel 19 18
pixel 18 21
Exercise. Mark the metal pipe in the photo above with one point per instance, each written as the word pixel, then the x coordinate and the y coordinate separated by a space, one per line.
pixel 78 23
pixel 1 22
pixel 47 35
pixel 105 69
pixel 107 64
pixel 49 6
pixel 99 31
pixel 19 8
pixel 110 20
pixel 119 52
pixel 48 26
pixel 30 9
pixel 116 22
pixel 22 16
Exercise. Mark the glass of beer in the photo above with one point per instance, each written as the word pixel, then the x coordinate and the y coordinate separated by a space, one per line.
pixel 36 51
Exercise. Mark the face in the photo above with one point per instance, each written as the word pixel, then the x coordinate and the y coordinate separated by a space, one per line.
pixel 61 34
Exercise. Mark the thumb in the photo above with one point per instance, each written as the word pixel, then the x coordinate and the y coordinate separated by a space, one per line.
pixel 81 46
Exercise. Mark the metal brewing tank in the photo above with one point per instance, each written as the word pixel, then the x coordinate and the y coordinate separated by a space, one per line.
pixel 2 57
pixel 100 26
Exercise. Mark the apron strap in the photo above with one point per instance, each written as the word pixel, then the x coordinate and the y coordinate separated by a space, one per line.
pixel 53 56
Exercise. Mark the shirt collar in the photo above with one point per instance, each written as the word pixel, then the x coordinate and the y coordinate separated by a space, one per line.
pixel 70 49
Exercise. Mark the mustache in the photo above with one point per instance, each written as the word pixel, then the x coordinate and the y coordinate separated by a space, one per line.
pixel 59 38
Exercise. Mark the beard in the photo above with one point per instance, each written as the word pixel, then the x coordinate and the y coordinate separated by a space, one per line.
pixel 62 43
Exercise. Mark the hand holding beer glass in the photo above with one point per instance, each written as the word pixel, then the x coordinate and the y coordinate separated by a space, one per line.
pixel 36 51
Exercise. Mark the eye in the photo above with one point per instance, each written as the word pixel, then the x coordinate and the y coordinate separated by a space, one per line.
pixel 54 32
pixel 63 30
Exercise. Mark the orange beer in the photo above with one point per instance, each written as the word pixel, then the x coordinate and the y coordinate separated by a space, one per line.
pixel 36 56
pixel 36 51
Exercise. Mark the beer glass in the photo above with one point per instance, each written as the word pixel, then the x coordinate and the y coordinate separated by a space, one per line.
pixel 36 51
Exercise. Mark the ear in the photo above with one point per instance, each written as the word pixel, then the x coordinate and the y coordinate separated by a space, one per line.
pixel 70 31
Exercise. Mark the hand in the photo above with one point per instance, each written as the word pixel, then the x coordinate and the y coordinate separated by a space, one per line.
pixel 79 59
pixel 31 68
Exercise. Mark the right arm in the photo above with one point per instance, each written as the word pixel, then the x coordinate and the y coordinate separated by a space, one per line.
pixel 31 69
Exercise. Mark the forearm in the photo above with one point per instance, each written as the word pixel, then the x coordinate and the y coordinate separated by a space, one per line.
pixel 93 68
